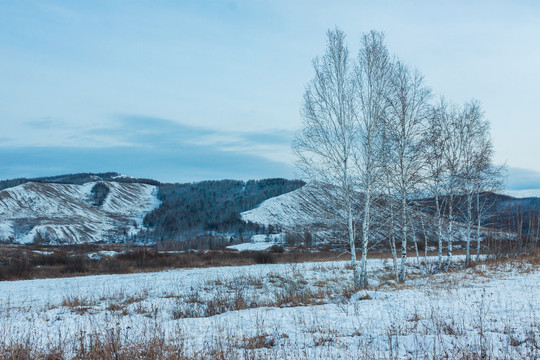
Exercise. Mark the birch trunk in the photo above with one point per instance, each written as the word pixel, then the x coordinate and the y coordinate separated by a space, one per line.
pixel 440 232
pixel 449 235
pixel 392 240
pixel 404 239
pixel 365 239
pixel 416 249
pixel 353 246
pixel 469 226
pixel 478 227
pixel 422 221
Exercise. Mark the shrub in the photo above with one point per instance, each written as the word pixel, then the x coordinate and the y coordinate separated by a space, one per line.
pixel 17 268
pixel 75 264
pixel 293 238
pixel 277 249
pixel 264 258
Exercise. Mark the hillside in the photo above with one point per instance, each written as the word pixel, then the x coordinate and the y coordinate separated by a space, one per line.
pixel 81 208
pixel 77 179
pixel 306 209
pixel 284 211
pixel 498 211
pixel 68 213
pixel 212 206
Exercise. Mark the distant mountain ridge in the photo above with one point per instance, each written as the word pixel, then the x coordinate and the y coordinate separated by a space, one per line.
pixel 212 207
pixel 88 207
pixel 78 179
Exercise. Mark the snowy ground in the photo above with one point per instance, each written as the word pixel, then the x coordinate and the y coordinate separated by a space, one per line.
pixel 250 246
pixel 287 311
pixel 259 242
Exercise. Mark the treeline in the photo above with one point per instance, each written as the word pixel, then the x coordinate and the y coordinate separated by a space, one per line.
pixel 77 179
pixel 520 216
pixel 188 210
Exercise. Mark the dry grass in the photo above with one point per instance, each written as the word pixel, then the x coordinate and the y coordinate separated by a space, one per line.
pixel 77 304
pixel 19 262
pixel 115 307
pixel 257 342
pixel 248 292
pixel 449 335
pixel 26 262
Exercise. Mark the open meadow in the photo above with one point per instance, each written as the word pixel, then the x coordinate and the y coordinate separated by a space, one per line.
pixel 282 311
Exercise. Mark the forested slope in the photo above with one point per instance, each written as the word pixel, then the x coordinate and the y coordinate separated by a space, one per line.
pixel 188 209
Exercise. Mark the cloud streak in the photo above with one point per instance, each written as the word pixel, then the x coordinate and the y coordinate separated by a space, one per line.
pixel 523 179
pixel 164 149
pixel 154 148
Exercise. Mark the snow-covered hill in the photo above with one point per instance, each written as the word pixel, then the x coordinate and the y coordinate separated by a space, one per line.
pixel 62 213
pixel 284 210
pixel 293 212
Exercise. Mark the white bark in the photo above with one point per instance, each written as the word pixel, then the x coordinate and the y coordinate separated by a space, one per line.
pixel 450 233
pixel 372 75
pixel 325 147
pixel 392 238
pixel 435 138
pixel 405 124
pixel 478 223
pixel 365 239
pixel 403 239
pixel 439 232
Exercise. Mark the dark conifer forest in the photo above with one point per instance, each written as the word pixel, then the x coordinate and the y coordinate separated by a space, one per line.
pixel 189 209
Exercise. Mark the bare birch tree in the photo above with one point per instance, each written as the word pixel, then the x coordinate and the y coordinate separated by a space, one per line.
pixel 453 151
pixel 489 178
pixel 372 77
pixel 435 142
pixel 387 154
pixel 405 124
pixel 325 147
pixel 477 155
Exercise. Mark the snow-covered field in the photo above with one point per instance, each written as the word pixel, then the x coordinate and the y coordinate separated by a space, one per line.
pixel 259 242
pixel 281 311
pixel 251 246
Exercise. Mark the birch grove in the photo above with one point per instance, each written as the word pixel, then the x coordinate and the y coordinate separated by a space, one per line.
pixel 371 135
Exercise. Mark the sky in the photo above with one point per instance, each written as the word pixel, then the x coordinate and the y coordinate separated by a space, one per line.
pixel 192 90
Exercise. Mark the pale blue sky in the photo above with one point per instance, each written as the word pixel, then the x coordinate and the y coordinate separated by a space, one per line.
pixel 192 90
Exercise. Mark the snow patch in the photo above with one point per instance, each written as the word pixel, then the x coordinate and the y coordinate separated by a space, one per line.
pixel 261 238
pixel 251 246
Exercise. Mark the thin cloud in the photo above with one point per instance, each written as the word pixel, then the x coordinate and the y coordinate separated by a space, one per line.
pixel 523 179
pixel 189 163
pixel 154 148
pixel 152 132
pixel 45 123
